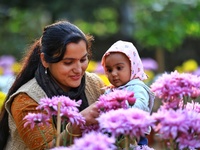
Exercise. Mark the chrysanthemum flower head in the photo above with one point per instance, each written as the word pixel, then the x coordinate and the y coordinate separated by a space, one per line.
pixel 61 148
pixel 33 119
pixel 116 99
pixel 72 116
pixel 143 147
pixel 68 111
pixel 178 125
pixel 51 104
pixel 94 141
pixel 176 86
pixel 195 106
pixel 133 122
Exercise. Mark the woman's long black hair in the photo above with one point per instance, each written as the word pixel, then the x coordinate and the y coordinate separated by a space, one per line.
pixel 53 44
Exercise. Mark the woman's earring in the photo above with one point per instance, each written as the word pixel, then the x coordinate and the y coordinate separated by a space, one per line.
pixel 45 71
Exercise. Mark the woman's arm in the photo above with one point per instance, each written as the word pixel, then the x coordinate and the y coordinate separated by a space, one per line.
pixel 33 138
pixel 21 106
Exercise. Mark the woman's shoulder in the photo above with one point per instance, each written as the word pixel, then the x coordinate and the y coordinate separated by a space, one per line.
pixel 91 75
pixel 32 89
pixel 94 86
pixel 93 78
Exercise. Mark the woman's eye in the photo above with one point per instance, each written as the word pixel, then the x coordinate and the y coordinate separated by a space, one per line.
pixel 83 60
pixel 67 63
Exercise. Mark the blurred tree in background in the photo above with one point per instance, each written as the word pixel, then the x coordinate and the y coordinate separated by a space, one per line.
pixel 165 24
pixel 158 28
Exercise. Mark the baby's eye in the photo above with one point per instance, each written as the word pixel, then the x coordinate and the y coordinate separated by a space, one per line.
pixel 109 70
pixel 119 68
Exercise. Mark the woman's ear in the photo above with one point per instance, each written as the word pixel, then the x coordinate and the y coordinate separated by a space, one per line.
pixel 44 63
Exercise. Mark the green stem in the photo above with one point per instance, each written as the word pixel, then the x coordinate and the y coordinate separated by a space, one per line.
pixel 43 135
pixel 64 137
pixel 71 138
pixel 164 145
pixel 185 100
pixel 58 125
pixel 127 142
pixel 54 136
pixel 172 144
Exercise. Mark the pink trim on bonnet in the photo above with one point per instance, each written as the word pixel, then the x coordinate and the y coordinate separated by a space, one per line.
pixel 131 52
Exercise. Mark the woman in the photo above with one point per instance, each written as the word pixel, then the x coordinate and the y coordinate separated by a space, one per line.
pixel 55 65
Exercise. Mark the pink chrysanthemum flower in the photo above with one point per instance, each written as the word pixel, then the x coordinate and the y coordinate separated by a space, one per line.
pixel 116 99
pixel 36 119
pixel 170 122
pixel 72 116
pixel 133 122
pixel 112 101
pixel 87 129
pixel 193 106
pixel 61 148
pixel 94 141
pixel 177 125
pixel 172 104
pixel 68 111
pixel 176 86
pixel 188 142
pixel 51 104
pixel 143 147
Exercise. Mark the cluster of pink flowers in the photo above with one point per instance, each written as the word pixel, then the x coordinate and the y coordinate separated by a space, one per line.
pixel 68 111
pixel 178 125
pixel 176 121
pixel 143 147
pixel 132 122
pixel 194 106
pixel 94 141
pixel 91 141
pixel 176 87
pixel 115 100
pixel 112 101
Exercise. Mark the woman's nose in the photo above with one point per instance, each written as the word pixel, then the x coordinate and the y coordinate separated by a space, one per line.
pixel 77 68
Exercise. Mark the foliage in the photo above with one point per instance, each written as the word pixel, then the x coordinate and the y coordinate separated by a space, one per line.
pixel 153 24
pixel 105 22
pixel 161 23
pixel 19 28
pixel 23 21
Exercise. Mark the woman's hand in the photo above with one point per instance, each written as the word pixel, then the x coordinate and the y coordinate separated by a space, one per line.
pixel 90 114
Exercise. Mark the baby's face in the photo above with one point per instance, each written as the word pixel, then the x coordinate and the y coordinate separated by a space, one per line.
pixel 117 68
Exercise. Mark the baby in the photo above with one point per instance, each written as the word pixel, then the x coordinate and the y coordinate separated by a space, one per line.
pixel 124 69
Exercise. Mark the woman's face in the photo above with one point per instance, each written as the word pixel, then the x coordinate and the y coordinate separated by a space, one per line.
pixel 69 71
